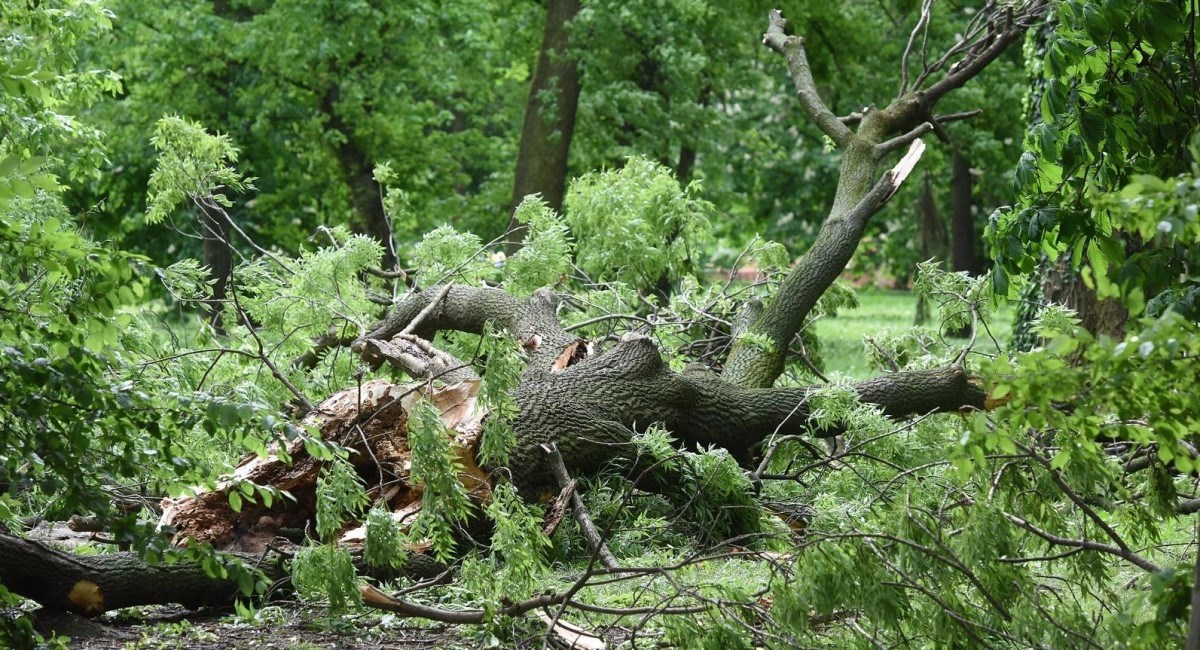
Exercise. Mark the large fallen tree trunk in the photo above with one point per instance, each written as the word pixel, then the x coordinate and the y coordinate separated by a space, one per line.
pixel 588 407
pixel 592 407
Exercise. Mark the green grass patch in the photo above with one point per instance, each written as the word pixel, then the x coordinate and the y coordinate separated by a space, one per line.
pixel 843 337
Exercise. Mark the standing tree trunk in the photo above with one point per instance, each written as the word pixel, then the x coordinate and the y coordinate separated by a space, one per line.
pixel 365 192
pixel 962 222
pixel 219 260
pixel 549 120
pixel 931 232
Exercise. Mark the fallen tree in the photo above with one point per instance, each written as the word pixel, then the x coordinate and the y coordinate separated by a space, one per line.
pixel 587 404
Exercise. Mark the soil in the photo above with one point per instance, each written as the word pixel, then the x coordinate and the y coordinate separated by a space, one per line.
pixel 276 628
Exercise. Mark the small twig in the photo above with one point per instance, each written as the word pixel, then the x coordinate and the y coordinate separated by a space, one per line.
pixel 433 304
pixel 593 537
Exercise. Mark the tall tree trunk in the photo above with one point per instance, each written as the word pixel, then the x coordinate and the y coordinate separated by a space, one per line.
pixel 549 120
pixel 219 259
pixel 217 253
pixel 365 192
pixel 931 232
pixel 962 222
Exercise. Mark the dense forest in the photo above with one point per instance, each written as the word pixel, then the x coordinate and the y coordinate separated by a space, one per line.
pixel 599 323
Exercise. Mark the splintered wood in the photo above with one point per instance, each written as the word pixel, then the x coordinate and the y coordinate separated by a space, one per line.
pixel 371 421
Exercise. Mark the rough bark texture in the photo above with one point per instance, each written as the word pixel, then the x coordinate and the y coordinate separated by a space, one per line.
pixel 90 585
pixel 94 584
pixel 1065 286
pixel 592 408
pixel 549 119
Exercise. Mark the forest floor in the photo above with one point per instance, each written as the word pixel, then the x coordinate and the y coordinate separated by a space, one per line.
pixel 282 626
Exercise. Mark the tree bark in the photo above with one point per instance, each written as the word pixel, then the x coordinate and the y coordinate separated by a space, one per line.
pixel 591 409
pixel 219 259
pixel 549 120
pixel 91 585
pixel 1064 285
pixel 962 221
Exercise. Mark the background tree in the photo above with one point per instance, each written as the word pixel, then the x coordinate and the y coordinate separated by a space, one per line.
pixel 549 118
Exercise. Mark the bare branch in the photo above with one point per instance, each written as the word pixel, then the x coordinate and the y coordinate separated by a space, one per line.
pixel 922 25
pixel 884 148
pixel 792 49
pixel 1002 32
pixel 593 537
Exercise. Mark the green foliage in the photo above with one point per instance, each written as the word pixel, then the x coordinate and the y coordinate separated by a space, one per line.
pixel 384 545
pixel 837 405
pixel 500 377
pixel 44 88
pixel 435 467
pixel 191 164
pixel 636 224
pixel 340 496
pixel 962 300
pixel 545 258
pixel 326 572
pixel 720 502
pixel 517 560
pixel 316 98
pixel 447 255
pixel 298 303
pixel 1115 105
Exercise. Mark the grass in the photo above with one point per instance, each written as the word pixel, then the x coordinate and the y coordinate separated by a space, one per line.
pixel 843 345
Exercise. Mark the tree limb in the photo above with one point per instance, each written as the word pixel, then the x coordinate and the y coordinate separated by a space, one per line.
pixel 792 49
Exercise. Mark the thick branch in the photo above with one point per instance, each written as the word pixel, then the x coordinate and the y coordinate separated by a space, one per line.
pixel 792 49
pixel 91 585
pixel 751 364
pixel 592 409
pixel 1005 33
pixel 532 322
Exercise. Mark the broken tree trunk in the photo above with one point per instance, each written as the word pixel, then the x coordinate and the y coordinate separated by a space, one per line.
pixel 590 408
